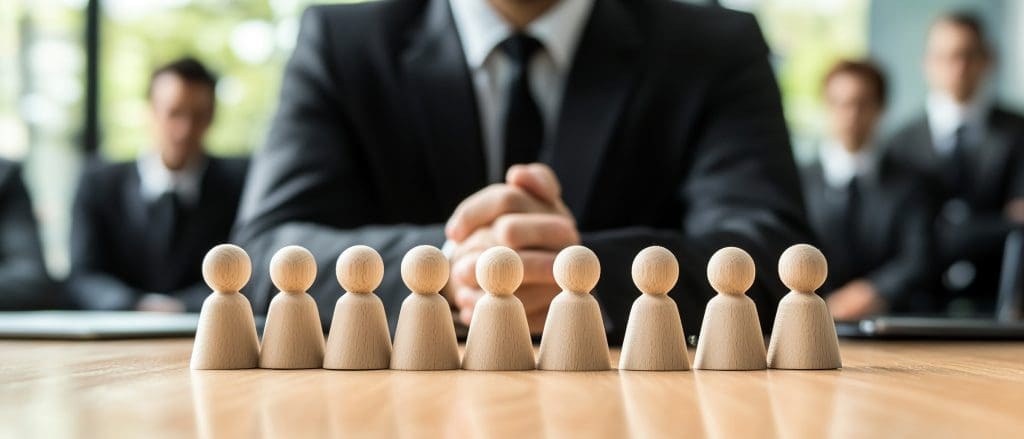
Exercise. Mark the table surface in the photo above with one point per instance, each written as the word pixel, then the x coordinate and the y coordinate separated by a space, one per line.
pixel 144 388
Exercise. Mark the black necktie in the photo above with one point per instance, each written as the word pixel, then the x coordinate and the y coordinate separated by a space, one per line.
pixel 163 227
pixel 851 216
pixel 524 128
pixel 958 164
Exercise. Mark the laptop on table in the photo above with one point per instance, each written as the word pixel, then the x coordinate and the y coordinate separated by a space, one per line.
pixel 1006 324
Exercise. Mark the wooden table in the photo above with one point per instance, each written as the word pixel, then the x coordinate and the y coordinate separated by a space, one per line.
pixel 145 389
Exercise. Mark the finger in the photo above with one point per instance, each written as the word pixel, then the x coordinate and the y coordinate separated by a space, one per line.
pixel 537 179
pixel 535 230
pixel 537 267
pixel 467 297
pixel 483 207
pixel 862 307
pixel 464 270
pixel 840 311
pixel 479 240
pixel 466 316
pixel 537 298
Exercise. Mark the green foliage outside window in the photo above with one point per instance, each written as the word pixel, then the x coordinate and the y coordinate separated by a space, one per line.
pixel 245 42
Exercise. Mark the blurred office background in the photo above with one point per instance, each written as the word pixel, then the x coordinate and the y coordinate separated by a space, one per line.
pixel 73 73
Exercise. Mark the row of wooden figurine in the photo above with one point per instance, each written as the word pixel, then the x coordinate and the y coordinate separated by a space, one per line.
pixel 574 336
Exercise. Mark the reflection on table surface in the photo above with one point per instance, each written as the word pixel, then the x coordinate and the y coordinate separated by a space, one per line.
pixel 144 388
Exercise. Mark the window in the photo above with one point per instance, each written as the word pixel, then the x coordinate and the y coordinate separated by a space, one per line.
pixel 246 42
pixel 42 65
pixel 806 38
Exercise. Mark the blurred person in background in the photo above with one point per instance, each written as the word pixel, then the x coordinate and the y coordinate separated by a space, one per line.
pixel 872 219
pixel 141 229
pixel 24 282
pixel 973 150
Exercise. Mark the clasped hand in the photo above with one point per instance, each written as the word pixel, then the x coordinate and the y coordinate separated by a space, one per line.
pixel 525 213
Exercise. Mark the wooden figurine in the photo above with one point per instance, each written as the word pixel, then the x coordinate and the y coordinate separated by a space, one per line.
pixel 359 337
pixel 804 335
pixel 654 337
pixel 574 338
pixel 226 337
pixel 292 337
pixel 499 335
pixel 425 335
pixel 730 336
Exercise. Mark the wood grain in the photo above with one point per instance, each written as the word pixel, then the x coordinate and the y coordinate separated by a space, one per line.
pixel 292 336
pixel 730 335
pixel 145 389
pixel 654 338
pixel 574 337
pixel 226 337
pixel 499 337
pixel 804 334
pixel 359 338
pixel 425 335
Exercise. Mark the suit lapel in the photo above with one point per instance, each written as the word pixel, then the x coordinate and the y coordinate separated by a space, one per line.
pixel 991 154
pixel 924 146
pixel 820 206
pixel 596 89
pixel 443 106
pixel 135 205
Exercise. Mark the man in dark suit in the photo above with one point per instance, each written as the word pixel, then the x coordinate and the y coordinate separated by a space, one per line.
pixel 141 228
pixel 974 150
pixel 24 282
pixel 656 123
pixel 873 219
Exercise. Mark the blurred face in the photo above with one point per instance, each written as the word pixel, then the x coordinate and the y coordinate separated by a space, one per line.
pixel 853 109
pixel 956 61
pixel 181 112
pixel 519 13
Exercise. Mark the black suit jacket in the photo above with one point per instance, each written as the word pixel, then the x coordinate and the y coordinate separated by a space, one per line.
pixel 111 266
pixel 890 244
pixel 24 282
pixel 670 133
pixel 997 170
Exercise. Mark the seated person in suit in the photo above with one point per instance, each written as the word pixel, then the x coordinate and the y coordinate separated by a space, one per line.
pixel 421 122
pixel 141 229
pixel 872 219
pixel 974 151
pixel 24 282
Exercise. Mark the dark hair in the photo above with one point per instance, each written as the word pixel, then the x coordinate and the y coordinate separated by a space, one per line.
pixel 865 70
pixel 188 69
pixel 968 21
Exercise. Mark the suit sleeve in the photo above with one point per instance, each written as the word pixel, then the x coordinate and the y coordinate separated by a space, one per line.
pixel 982 236
pixel 307 185
pixel 740 188
pixel 90 284
pixel 192 296
pixel 24 282
pixel 1016 162
pixel 910 269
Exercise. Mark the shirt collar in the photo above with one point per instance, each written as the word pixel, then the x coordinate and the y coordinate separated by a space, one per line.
pixel 155 179
pixel 946 115
pixel 840 165
pixel 481 29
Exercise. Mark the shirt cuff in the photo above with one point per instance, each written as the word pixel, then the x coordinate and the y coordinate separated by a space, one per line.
pixel 448 249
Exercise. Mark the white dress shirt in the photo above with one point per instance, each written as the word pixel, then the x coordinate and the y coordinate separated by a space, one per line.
pixel 481 29
pixel 840 165
pixel 946 115
pixel 155 179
